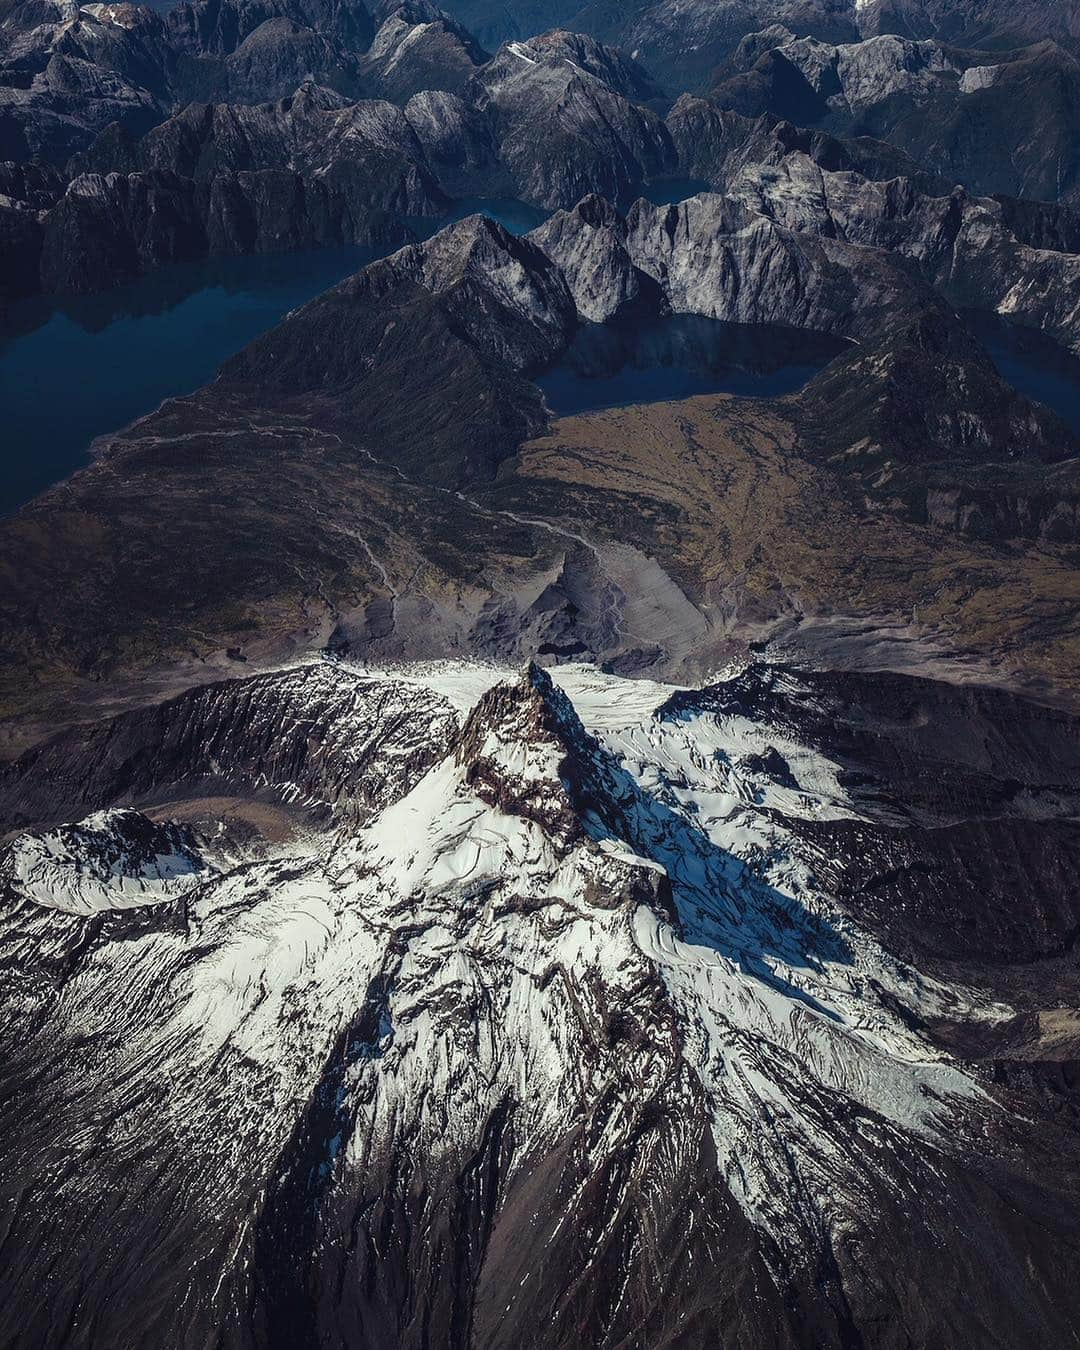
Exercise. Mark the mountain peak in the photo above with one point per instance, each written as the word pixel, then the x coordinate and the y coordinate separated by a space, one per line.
pixel 114 859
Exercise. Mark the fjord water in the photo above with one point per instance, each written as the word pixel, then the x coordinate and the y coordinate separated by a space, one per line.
pixel 1034 364
pixel 610 365
pixel 76 368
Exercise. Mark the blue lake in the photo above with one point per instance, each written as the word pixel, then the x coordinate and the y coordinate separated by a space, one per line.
pixel 668 191
pixel 1034 364
pixel 73 369
pixel 610 365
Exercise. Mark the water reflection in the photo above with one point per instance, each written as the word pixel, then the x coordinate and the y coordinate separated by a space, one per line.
pixel 76 367
pixel 668 191
pixel 609 365
pixel 1034 364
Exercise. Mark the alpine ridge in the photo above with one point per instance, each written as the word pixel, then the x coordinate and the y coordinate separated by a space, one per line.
pixel 540 675
pixel 571 1009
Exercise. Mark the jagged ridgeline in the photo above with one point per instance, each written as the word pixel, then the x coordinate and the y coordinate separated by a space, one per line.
pixel 540 805
pixel 460 1008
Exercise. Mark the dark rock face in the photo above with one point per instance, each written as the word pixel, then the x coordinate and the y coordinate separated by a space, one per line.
pixel 562 128
pixel 718 146
pixel 683 42
pixel 997 122
pixel 29 190
pixel 67 73
pixel 419 48
pixel 270 63
pixel 210 182
pixel 397 1081
pixel 547 126
pixel 713 257
pixel 967 821
pixel 349 749
pixel 219 27
pixel 589 244
pixel 912 417
pixel 112 227
pixel 459 144
pixel 483 307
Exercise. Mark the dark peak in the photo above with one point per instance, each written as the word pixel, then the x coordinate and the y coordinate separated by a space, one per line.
pixel 475 240
pixel 480 227
pixel 756 692
pixel 709 211
pixel 218 27
pixel 415 13
pixel 598 212
pixel 937 334
pixel 476 249
pixel 755 45
pixel 592 211
pixel 311 96
pixel 864 155
pixel 926 393
pixel 687 103
pixel 412 11
pixel 1047 52
pixel 588 57
pixel 531 711
pixel 515 748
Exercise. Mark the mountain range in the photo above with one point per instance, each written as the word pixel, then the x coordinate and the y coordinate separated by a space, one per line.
pixel 540 806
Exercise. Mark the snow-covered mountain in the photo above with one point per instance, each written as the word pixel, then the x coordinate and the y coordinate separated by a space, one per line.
pixel 557 1033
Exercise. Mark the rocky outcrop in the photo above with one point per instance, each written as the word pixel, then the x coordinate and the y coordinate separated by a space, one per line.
pixel 460 145
pixel 66 73
pixel 212 182
pixel 487 308
pixel 327 743
pixel 683 41
pixel 310 131
pixel 418 48
pixel 716 146
pixel 213 28
pixel 562 130
pixel 110 228
pixel 926 794
pixel 998 122
pixel 590 963
pixel 112 860
pixel 270 63
pixel 999 254
pixel 910 417
pixel 710 256
pixel 713 257
pixel 589 245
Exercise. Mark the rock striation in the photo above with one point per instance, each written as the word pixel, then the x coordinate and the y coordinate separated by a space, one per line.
pixel 598 954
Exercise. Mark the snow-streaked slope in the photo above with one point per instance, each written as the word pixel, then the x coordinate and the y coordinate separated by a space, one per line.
pixel 111 860
pixel 587 915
